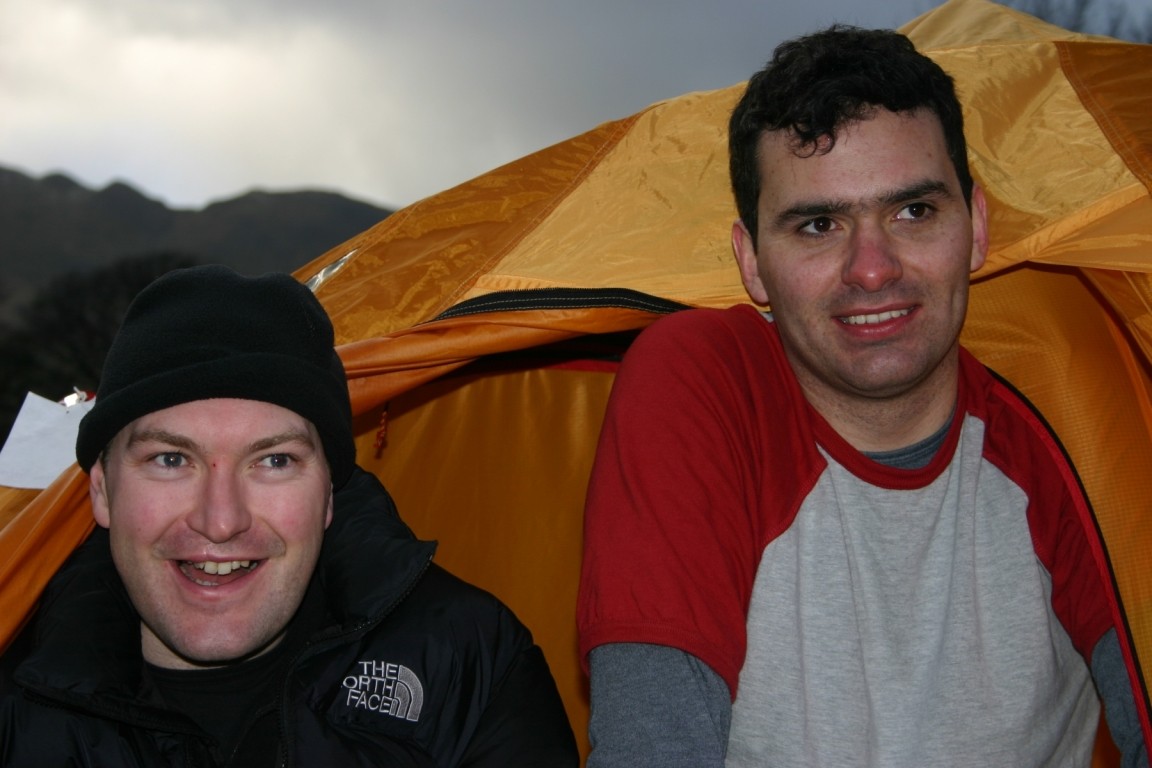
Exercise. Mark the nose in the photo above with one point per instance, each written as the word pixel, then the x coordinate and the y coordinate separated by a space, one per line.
pixel 872 261
pixel 222 512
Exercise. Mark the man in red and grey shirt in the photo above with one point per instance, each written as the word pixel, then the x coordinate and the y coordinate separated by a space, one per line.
pixel 824 534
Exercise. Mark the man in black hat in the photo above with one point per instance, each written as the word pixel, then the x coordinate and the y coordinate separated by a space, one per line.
pixel 250 596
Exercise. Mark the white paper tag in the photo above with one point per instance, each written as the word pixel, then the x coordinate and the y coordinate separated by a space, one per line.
pixel 42 443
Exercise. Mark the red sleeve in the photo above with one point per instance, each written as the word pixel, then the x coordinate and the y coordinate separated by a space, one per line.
pixel 677 514
pixel 1060 518
pixel 1065 533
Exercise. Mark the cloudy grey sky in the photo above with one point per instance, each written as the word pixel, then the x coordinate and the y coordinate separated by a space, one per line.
pixel 387 101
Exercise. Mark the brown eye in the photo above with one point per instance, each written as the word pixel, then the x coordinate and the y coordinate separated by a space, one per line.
pixel 915 211
pixel 818 226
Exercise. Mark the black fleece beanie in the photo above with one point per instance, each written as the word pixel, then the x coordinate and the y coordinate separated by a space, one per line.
pixel 207 332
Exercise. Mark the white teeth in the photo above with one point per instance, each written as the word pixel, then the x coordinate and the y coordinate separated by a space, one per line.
pixel 872 319
pixel 214 568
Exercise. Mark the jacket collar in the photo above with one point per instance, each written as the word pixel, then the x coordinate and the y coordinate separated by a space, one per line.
pixel 370 559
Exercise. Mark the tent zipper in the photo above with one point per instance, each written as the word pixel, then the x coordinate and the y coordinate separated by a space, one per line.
pixel 562 298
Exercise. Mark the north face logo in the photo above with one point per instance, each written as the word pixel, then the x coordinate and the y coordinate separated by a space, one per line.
pixel 390 689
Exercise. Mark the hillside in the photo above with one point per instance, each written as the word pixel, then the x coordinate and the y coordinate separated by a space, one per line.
pixel 51 226
pixel 72 259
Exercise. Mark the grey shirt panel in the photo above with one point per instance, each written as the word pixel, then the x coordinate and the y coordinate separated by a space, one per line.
pixel 1111 677
pixel 655 706
pixel 684 697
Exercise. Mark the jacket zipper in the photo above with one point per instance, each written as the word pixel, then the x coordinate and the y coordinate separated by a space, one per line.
pixel 133 719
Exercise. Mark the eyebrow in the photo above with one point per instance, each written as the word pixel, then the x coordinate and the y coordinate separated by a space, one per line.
pixel 299 437
pixel 159 436
pixel 811 209
pixel 927 188
pixel 180 441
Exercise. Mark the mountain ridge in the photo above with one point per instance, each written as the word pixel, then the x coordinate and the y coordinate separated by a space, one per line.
pixel 54 225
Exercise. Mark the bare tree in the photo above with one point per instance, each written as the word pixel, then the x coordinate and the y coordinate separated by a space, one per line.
pixel 65 332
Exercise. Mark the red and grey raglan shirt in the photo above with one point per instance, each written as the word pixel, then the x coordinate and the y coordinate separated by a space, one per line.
pixel 859 613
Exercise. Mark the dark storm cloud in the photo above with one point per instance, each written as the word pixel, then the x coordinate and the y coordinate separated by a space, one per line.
pixel 390 101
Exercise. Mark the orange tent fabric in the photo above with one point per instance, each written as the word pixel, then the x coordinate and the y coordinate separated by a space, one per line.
pixel 477 326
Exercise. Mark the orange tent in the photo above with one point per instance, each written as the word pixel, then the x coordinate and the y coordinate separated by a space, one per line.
pixel 479 326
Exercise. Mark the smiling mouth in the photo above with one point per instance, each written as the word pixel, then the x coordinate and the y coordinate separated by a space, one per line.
pixel 215 572
pixel 880 317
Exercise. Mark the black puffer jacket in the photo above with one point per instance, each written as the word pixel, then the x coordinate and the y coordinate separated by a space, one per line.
pixel 415 668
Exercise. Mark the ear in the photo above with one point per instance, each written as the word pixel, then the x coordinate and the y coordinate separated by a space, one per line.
pixel 98 493
pixel 331 505
pixel 979 227
pixel 745 253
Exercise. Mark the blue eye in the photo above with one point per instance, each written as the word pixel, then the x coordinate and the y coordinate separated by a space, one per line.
pixel 277 461
pixel 169 460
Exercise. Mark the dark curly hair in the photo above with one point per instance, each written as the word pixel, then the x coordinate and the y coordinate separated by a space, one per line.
pixel 816 84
